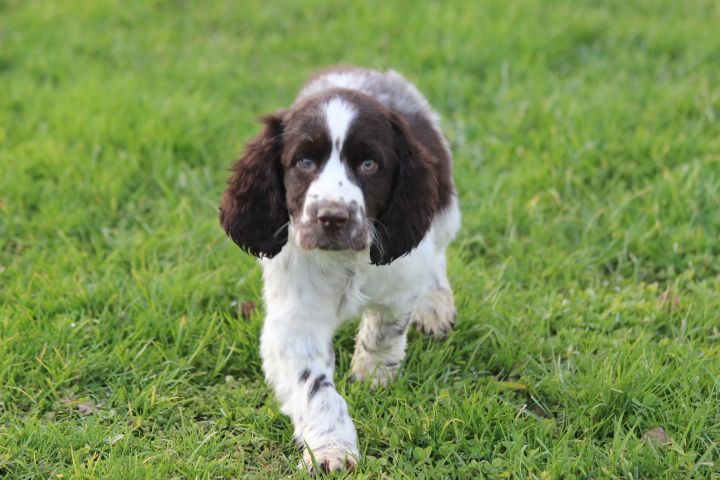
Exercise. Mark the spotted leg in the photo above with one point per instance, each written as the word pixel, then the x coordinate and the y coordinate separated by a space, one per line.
pixel 299 362
pixel 380 346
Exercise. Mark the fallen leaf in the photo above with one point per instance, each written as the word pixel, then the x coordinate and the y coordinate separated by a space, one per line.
pixel 86 408
pixel 510 385
pixel 115 439
pixel 656 437
pixel 247 309
pixel 669 300
pixel 538 411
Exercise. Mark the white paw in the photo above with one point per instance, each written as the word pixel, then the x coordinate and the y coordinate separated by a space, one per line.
pixel 365 367
pixel 330 458
pixel 436 314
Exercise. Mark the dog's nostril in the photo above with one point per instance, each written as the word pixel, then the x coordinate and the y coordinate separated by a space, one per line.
pixel 332 218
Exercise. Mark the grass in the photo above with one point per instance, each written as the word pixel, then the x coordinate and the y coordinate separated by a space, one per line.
pixel 587 272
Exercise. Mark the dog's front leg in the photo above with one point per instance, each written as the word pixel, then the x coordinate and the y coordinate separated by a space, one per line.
pixel 299 362
pixel 380 346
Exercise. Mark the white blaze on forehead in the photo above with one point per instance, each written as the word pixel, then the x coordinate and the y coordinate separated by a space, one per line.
pixel 333 183
pixel 338 116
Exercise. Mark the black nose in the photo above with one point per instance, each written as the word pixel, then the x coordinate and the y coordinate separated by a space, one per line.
pixel 332 218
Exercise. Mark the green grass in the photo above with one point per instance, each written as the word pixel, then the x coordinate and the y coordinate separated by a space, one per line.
pixel 587 272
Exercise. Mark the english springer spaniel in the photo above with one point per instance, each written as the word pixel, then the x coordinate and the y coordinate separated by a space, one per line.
pixel 348 198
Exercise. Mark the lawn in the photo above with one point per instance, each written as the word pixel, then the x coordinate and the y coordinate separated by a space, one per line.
pixel 586 138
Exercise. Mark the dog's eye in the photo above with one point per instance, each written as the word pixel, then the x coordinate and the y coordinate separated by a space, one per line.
pixel 368 166
pixel 306 163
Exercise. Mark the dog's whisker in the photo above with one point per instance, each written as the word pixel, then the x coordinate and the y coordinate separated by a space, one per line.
pixel 279 230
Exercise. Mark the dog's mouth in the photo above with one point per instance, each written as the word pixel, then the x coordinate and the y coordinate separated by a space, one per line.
pixel 312 236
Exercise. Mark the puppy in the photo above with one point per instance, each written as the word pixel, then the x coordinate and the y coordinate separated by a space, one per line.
pixel 348 199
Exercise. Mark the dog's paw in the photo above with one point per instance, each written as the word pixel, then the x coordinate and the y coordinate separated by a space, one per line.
pixel 367 369
pixel 436 314
pixel 330 458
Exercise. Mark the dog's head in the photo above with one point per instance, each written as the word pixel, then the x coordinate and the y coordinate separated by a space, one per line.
pixel 343 170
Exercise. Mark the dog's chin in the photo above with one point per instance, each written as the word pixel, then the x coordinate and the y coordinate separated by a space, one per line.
pixel 315 238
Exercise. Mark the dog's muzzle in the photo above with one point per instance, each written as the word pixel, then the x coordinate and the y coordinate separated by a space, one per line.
pixel 333 225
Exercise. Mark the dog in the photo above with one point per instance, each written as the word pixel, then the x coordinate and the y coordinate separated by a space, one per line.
pixel 348 199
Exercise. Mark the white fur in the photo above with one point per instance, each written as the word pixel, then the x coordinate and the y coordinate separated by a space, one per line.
pixel 308 294
pixel 338 116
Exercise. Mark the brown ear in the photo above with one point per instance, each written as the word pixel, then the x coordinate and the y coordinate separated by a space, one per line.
pixel 413 201
pixel 253 211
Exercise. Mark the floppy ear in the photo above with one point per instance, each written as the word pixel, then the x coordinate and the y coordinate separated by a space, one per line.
pixel 413 201
pixel 253 211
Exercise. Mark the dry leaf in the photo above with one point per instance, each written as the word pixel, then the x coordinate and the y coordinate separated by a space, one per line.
pixel 247 309
pixel 115 439
pixel 86 408
pixel 669 300
pixel 510 385
pixel 656 437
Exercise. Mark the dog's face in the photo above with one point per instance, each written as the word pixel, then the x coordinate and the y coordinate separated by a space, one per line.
pixel 339 165
pixel 343 170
